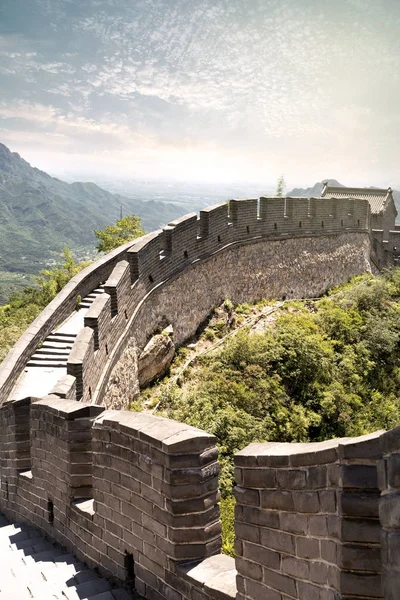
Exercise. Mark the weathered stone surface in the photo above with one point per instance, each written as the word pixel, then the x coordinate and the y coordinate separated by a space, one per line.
pixel 156 357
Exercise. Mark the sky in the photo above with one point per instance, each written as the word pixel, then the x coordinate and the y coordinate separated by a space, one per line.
pixel 203 90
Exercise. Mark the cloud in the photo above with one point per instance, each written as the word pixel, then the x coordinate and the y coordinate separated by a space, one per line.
pixel 270 83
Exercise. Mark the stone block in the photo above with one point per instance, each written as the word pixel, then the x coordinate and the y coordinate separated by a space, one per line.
pixel 389 511
pixel 361 584
pixel 294 522
pixel 256 590
pixel 277 540
pixel 280 582
pixel 291 479
pixel 307 548
pixel 359 557
pixel 274 499
pixel 296 567
pixel 359 476
pixel 359 504
pixel 360 530
pixel 260 554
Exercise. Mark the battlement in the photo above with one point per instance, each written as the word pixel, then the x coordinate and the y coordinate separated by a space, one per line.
pixel 137 497
pixel 134 274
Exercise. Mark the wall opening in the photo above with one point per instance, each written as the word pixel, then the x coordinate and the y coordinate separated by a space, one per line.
pixel 90 392
pixel 322 223
pixel 341 222
pixel 300 224
pixel 129 564
pixel 247 229
pixel 107 349
pixel 151 279
pixel 358 222
pixel 50 511
pixel 185 254
pixel 126 315
pixel 275 226
pixel 219 239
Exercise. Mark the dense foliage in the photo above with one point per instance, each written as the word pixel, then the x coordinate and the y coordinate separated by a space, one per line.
pixel 25 305
pixel 124 230
pixel 329 368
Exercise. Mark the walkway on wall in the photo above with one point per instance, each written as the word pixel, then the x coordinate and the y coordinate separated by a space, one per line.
pixel 33 568
pixel 49 362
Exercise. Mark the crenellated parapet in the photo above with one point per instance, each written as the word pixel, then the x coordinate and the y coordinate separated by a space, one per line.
pixel 249 234
pixel 136 496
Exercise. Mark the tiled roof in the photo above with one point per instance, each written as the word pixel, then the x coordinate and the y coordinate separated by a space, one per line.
pixel 376 197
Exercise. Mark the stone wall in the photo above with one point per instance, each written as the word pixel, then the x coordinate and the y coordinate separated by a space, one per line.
pixel 307 521
pixel 289 268
pixel 304 244
pixel 137 497
pixel 389 510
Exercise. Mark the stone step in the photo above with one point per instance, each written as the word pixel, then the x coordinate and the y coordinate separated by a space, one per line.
pixel 60 334
pixel 85 576
pixel 121 594
pixel 44 351
pixel 66 346
pixel 102 596
pixel 48 357
pixel 37 548
pixel 34 363
pixel 92 588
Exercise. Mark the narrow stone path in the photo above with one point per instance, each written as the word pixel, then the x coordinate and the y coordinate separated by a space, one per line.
pixel 34 568
pixel 49 362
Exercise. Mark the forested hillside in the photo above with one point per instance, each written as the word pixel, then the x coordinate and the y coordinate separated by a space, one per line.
pixel 317 370
pixel 40 215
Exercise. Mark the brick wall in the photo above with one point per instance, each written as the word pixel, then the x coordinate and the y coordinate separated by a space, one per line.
pixel 158 256
pixel 307 523
pixel 389 510
pixel 135 303
pixel 137 497
pixel 134 495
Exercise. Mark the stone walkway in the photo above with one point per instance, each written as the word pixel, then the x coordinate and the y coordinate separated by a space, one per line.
pixel 34 568
pixel 49 362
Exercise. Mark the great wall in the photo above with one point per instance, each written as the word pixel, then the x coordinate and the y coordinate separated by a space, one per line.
pixel 135 495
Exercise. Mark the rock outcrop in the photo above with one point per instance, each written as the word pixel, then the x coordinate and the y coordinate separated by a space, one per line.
pixel 156 357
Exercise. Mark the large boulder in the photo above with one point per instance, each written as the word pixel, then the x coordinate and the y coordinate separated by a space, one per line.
pixel 156 357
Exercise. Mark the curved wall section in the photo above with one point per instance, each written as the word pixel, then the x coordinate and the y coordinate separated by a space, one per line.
pixel 243 250
pixel 54 314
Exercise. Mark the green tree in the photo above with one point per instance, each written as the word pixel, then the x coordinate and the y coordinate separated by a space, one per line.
pixel 124 230
pixel 24 306
pixel 280 188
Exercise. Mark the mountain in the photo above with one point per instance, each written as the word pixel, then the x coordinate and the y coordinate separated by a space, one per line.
pixel 314 191
pixel 39 215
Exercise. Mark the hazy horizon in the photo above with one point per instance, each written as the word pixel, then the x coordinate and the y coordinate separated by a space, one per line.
pixel 212 91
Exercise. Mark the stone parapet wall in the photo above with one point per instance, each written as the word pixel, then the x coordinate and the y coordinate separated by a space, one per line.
pixel 389 511
pixel 53 315
pixel 137 497
pixel 137 270
pixel 132 494
pixel 307 523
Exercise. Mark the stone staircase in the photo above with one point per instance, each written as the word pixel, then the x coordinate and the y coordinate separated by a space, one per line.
pixel 55 350
pixel 34 568
pixel 90 298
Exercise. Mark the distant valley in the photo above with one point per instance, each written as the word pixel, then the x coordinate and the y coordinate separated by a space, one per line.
pixel 39 215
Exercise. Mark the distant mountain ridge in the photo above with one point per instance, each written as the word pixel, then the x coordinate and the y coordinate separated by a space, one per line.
pixel 40 214
pixel 314 191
